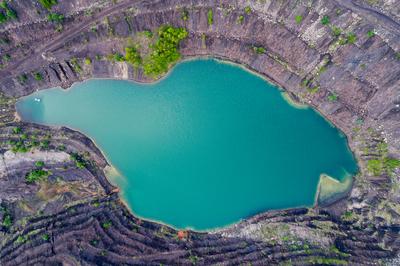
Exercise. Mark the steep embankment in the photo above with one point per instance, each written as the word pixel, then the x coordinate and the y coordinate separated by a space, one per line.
pixel 340 57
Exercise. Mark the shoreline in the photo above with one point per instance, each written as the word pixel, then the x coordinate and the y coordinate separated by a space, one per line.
pixel 111 171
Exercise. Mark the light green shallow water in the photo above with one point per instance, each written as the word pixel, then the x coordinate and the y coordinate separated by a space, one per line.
pixel 203 148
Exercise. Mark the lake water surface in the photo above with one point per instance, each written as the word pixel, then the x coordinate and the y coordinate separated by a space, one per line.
pixel 203 148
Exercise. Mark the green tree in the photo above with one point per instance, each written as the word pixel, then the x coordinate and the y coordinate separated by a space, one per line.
pixel 132 56
pixel 210 17
pixel 298 19
pixel 48 4
pixel 351 38
pixel 325 20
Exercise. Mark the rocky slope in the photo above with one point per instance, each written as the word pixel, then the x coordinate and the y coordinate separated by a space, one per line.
pixel 346 65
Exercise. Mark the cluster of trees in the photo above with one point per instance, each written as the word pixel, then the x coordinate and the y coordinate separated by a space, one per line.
pixel 383 164
pixel 165 51
pixel 8 14
pixel 79 160
pixel 38 174
pixel 132 56
pixel 25 142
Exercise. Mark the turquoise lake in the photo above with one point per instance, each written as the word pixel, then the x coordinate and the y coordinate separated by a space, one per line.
pixel 208 145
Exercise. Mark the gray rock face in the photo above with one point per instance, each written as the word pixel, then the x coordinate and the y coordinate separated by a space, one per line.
pixel 347 69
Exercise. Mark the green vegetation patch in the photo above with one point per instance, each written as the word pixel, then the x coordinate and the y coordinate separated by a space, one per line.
pixel 106 225
pixel 298 19
pixel 185 15
pixel 336 31
pixel 39 164
pixel 7 220
pixel 259 50
pixel 210 17
pixel 38 76
pixel 48 4
pixel 351 38
pixel 240 19
pixel 55 17
pixel 384 164
pixel 36 175
pixel 9 14
pixel 132 56
pixel 21 239
pixel 75 64
pixel 332 97
pixel 164 51
pixel 45 237
pixel 371 33
pixel 247 10
pixel 325 20
pixel 79 160
pixel 22 79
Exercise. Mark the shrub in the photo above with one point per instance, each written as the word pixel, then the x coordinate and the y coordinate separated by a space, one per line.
pixel 38 76
pixel 3 18
pixel 210 17
pixel 185 15
pixel 39 164
pixel 351 38
pixel 55 17
pixel 298 19
pixel 247 10
pixel 21 239
pixel 118 57
pixel 106 225
pixel 75 64
pixel 44 144
pixel 11 14
pixel 132 56
pixel 36 175
pixel 22 78
pixel 148 33
pixel 371 33
pixel 88 61
pixel 45 237
pixel 79 161
pixel 325 20
pixel 48 4
pixel 383 165
pixel 259 49
pixel 7 221
pixel 17 130
pixel 240 19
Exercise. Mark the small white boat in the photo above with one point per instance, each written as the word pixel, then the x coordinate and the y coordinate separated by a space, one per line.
pixel 37 100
